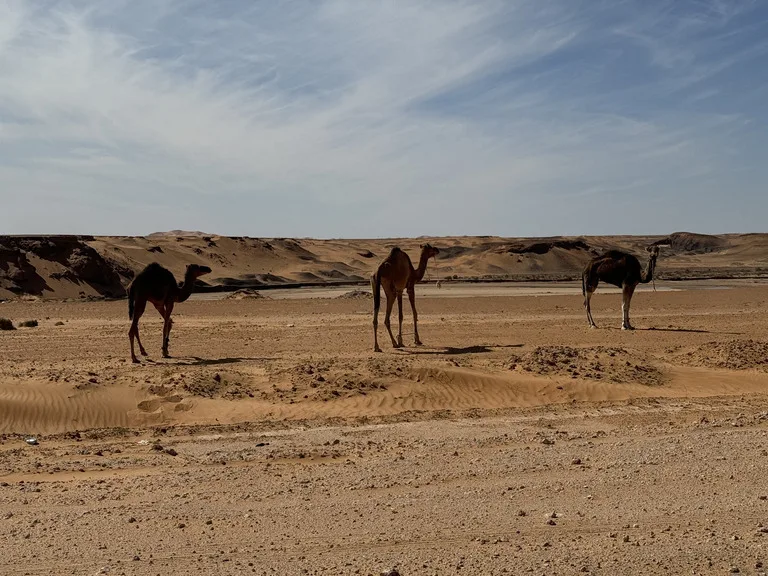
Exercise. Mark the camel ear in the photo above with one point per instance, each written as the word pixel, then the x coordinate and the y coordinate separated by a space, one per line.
pixel 421 246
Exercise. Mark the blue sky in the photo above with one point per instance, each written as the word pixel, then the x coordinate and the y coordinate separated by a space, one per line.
pixel 384 117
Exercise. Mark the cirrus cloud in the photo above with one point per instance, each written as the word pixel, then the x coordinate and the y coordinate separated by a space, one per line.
pixel 341 118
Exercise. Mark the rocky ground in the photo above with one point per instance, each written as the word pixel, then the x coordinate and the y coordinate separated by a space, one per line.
pixel 516 441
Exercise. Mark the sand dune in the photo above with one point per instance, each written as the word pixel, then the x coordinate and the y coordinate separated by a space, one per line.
pixel 72 267
pixel 43 408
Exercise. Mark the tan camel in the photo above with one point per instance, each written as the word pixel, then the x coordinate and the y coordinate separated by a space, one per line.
pixel 395 274
pixel 157 285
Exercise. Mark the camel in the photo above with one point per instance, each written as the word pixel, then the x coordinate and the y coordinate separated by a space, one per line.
pixel 395 274
pixel 622 270
pixel 157 285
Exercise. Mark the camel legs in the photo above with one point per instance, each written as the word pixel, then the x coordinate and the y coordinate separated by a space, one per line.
pixel 626 299
pixel 400 319
pixel 133 332
pixel 376 347
pixel 167 329
pixel 587 306
pixel 412 300
pixel 165 310
pixel 390 303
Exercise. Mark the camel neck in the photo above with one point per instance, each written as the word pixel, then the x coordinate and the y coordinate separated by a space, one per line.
pixel 185 290
pixel 648 273
pixel 422 267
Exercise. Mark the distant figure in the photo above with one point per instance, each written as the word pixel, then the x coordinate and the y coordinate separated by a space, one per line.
pixel 395 274
pixel 622 270
pixel 157 285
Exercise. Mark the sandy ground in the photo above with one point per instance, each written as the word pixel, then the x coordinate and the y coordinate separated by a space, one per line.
pixel 515 441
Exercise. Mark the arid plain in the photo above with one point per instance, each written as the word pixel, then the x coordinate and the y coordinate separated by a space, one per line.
pixel 274 441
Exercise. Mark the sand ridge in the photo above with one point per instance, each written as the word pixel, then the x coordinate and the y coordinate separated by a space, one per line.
pixel 87 266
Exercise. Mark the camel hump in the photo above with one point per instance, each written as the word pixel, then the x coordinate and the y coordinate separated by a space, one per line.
pixel 152 268
pixel 395 250
pixel 616 254
pixel 152 274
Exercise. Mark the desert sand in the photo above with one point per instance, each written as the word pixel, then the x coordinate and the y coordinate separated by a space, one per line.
pixel 274 441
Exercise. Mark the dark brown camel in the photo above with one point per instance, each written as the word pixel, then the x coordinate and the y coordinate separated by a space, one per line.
pixel 157 285
pixel 396 274
pixel 622 270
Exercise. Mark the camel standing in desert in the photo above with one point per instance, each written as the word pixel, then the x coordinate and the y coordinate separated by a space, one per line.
pixel 622 270
pixel 395 274
pixel 157 285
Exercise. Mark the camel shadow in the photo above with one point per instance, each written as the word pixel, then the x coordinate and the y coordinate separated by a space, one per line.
pixel 195 361
pixel 453 351
pixel 690 330
pixel 683 330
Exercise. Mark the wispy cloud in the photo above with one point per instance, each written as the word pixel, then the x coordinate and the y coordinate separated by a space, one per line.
pixel 342 118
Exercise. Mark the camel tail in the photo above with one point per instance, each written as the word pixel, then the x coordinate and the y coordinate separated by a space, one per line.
pixel 376 289
pixel 131 301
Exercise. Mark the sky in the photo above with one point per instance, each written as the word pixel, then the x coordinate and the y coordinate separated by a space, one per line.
pixel 383 118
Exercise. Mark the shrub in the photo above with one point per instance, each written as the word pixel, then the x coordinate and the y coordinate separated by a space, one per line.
pixel 6 324
pixel 28 324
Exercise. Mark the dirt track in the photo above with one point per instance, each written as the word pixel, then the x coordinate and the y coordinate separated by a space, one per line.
pixel 306 451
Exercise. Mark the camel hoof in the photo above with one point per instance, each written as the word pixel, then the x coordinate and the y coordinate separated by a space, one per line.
pixel 135 360
pixel 593 325
pixel 144 353
pixel 377 349
pixel 627 327
pixel 418 343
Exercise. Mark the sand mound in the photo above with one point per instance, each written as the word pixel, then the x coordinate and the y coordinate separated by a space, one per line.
pixel 328 379
pixel 46 265
pixel 247 294
pixel 356 295
pixel 695 243
pixel 541 248
pixel 597 363
pixel 207 384
pixel 732 355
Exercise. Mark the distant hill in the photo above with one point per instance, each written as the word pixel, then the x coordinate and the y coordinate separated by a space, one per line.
pixel 103 266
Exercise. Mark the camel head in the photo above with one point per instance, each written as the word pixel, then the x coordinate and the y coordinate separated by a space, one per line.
pixel 654 251
pixel 429 251
pixel 194 271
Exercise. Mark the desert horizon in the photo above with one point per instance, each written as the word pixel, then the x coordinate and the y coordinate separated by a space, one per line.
pixel 516 431
pixel 103 266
